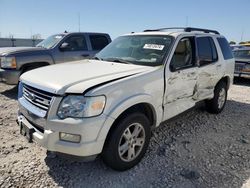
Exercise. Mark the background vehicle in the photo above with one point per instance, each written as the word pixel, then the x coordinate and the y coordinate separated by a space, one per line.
pixel 242 62
pixel 55 49
pixel 235 47
pixel 142 79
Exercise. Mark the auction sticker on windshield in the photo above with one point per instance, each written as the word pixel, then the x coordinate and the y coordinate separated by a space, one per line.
pixel 153 46
pixel 58 36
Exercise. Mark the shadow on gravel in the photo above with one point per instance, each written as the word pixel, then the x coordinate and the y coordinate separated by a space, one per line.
pixel 242 81
pixel 11 93
pixel 68 173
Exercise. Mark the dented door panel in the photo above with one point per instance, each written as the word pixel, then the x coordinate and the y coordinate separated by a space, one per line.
pixel 208 76
pixel 180 87
pixel 181 84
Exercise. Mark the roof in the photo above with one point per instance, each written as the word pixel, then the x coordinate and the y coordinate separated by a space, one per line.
pixel 175 31
pixel 68 33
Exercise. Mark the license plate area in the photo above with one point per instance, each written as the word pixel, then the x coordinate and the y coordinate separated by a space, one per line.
pixel 26 131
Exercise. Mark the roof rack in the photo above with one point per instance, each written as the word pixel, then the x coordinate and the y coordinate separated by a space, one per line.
pixel 162 29
pixel 186 29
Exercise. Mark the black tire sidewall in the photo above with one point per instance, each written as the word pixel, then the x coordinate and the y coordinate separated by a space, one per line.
pixel 110 153
pixel 212 105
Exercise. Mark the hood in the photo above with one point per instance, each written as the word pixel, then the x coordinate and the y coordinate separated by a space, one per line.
pixel 13 50
pixel 64 78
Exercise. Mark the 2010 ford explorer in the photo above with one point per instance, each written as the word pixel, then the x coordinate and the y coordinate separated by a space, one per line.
pixel 110 105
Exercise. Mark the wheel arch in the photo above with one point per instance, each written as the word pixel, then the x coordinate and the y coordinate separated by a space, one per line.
pixel 226 79
pixel 33 65
pixel 130 106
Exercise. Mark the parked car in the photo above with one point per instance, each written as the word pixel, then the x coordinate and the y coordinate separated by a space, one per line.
pixel 242 62
pixel 110 105
pixel 235 47
pixel 246 44
pixel 55 49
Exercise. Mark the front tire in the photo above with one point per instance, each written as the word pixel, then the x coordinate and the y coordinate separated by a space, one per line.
pixel 217 104
pixel 128 142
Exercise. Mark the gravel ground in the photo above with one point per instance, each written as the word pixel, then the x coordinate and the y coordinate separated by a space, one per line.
pixel 196 149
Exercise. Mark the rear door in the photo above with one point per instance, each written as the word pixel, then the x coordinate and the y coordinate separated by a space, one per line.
pixel 210 67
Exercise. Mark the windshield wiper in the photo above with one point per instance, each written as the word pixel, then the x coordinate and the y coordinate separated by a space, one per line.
pixel 117 60
pixel 41 47
pixel 97 58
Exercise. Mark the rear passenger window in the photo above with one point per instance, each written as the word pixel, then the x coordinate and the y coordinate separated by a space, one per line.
pixel 98 42
pixel 206 50
pixel 225 48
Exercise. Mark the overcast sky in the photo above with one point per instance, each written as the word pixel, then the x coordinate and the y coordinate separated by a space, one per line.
pixel 23 18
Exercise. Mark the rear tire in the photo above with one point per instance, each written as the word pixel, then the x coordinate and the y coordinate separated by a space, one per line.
pixel 217 104
pixel 128 142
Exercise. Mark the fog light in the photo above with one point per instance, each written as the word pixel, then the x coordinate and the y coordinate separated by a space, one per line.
pixel 70 137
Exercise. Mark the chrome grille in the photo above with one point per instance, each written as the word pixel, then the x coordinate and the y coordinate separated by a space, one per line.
pixel 239 67
pixel 37 97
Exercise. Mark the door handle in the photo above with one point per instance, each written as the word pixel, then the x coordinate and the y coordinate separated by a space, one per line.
pixel 218 66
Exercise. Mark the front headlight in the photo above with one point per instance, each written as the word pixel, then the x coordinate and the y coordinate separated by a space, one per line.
pixel 78 106
pixel 8 62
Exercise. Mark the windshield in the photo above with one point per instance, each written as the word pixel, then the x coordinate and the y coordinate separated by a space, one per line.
pixel 245 54
pixel 50 41
pixel 147 50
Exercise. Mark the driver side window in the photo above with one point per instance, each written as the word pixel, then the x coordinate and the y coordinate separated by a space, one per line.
pixel 76 43
pixel 184 55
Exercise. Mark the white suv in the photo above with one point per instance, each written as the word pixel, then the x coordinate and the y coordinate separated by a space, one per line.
pixel 109 105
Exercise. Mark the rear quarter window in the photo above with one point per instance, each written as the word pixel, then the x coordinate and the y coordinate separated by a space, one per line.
pixel 225 48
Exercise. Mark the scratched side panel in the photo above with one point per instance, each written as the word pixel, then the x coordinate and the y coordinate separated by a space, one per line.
pixel 180 88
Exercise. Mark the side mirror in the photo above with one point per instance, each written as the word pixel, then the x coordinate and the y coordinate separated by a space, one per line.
pixel 64 46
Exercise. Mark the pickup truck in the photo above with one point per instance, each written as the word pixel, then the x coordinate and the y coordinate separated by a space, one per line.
pixel 55 49
pixel 242 62
pixel 109 105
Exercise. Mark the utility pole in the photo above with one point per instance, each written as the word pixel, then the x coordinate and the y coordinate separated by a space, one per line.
pixel 31 33
pixel 79 22
pixel 242 33
pixel 12 40
pixel 186 21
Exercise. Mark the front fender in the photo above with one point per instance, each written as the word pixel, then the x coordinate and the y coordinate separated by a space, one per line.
pixel 32 59
pixel 123 106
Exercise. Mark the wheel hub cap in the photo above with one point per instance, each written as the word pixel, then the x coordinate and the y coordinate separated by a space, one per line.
pixel 131 142
pixel 221 98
